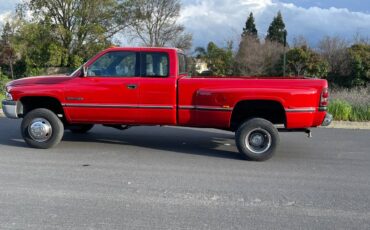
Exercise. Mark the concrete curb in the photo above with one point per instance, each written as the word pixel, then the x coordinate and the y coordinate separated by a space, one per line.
pixel 348 125
pixel 333 125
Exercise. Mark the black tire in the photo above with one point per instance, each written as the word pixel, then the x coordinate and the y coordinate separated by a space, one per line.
pixel 257 139
pixel 82 128
pixel 42 116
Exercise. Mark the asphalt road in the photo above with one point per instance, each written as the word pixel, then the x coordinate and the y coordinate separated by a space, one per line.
pixel 178 178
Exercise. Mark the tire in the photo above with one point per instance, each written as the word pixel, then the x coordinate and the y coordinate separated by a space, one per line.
pixel 257 139
pixel 42 129
pixel 83 128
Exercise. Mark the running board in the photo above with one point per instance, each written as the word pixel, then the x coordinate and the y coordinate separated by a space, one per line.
pixel 306 131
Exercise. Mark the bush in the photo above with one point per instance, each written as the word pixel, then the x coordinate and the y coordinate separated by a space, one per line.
pixel 340 109
pixel 3 80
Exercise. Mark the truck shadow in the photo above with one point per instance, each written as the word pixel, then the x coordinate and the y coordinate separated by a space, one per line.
pixel 177 140
pixel 203 142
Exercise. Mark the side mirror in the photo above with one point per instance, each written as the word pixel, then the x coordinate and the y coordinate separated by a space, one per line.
pixel 84 71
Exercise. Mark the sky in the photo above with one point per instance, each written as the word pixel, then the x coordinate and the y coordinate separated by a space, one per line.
pixel 223 20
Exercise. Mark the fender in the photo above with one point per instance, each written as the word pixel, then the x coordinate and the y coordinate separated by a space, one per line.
pixel 229 97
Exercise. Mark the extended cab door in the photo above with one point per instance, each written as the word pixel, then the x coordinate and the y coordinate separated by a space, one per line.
pixel 109 93
pixel 157 99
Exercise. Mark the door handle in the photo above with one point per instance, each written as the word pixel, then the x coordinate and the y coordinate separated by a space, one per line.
pixel 132 86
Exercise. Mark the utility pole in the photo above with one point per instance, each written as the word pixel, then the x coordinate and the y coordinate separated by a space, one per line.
pixel 284 67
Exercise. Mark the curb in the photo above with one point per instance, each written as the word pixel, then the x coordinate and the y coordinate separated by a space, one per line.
pixel 349 125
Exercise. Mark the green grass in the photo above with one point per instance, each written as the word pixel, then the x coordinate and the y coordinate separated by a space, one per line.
pixel 340 109
pixel 2 96
pixel 350 104
pixel 344 111
pixel 360 113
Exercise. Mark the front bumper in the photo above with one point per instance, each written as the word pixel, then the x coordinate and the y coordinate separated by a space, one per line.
pixel 12 109
pixel 327 120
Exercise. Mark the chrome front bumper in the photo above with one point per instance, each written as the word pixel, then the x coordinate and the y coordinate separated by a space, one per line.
pixel 327 120
pixel 12 109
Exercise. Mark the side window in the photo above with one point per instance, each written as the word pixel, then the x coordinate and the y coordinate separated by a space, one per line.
pixel 182 64
pixel 154 64
pixel 114 64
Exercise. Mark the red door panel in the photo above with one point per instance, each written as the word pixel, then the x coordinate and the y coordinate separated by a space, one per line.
pixel 103 100
pixel 109 93
pixel 157 101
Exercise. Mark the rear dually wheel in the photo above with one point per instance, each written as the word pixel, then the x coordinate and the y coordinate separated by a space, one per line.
pixel 257 139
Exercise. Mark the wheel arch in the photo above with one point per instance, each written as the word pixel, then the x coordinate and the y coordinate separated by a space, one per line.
pixel 271 110
pixel 30 103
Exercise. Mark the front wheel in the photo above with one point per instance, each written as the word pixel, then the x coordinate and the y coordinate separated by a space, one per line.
pixel 41 128
pixel 257 139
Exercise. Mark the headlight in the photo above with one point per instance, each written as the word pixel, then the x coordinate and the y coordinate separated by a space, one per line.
pixel 9 97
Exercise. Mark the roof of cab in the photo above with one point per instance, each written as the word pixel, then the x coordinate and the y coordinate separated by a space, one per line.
pixel 153 49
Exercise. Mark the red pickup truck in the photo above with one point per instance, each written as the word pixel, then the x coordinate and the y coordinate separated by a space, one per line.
pixel 123 87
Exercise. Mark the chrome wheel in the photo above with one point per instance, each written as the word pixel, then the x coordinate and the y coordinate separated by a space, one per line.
pixel 40 130
pixel 258 140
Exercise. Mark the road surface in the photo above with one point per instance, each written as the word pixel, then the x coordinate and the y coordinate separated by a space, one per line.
pixel 180 178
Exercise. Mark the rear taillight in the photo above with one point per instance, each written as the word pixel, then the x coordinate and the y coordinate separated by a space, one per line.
pixel 324 100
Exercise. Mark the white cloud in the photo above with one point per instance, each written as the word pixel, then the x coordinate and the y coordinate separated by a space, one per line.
pixel 5 16
pixel 221 20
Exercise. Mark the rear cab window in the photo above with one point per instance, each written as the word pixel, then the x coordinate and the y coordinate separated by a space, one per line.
pixel 182 64
pixel 154 64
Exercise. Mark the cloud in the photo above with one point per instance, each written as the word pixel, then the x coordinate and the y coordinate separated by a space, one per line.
pixel 222 20
pixel 6 9
pixel 5 16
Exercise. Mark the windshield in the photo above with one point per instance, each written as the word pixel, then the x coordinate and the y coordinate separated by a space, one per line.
pixel 76 71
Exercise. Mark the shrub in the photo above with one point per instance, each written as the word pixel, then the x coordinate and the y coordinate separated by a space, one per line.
pixel 3 80
pixel 340 109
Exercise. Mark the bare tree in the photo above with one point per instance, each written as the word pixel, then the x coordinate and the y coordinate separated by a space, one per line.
pixel 334 51
pixel 156 24
pixel 300 41
pixel 360 39
pixel 258 59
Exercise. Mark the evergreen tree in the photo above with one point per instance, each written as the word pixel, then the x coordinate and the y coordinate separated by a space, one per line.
pixel 276 29
pixel 250 27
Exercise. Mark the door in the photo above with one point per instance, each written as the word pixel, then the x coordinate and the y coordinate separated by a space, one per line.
pixel 109 92
pixel 157 98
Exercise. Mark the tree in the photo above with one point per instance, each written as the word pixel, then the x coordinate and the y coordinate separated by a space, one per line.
pixel 254 58
pixel 360 64
pixel 250 27
pixel 78 24
pixel 334 51
pixel 7 52
pixel 155 24
pixel 303 61
pixel 300 41
pixel 219 60
pixel 276 29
